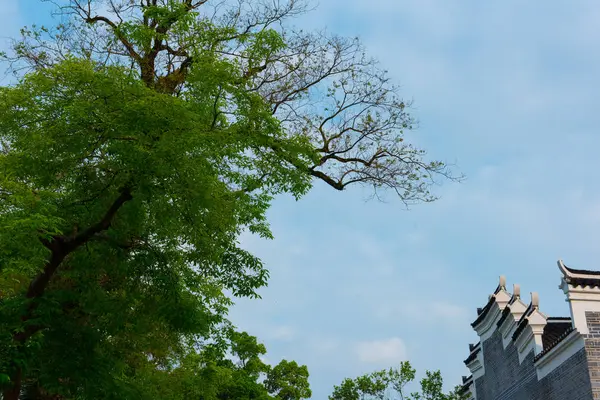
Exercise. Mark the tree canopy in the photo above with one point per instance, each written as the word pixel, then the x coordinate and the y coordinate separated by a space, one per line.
pixel 139 140
pixel 392 384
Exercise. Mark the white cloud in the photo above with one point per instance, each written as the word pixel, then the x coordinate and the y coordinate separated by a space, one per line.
pixel 381 351
pixel 418 311
pixel 283 333
pixel 10 10
pixel 323 345
pixel 449 311
pixel 9 22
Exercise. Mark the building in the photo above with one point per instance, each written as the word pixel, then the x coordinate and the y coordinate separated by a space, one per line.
pixel 523 354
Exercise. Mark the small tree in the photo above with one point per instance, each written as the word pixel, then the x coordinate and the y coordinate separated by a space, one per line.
pixel 288 381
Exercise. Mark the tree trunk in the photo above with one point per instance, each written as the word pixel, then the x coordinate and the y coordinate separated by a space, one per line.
pixel 14 391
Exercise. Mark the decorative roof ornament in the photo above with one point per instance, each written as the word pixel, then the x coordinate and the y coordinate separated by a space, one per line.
pixel 516 291
pixel 488 315
pixel 566 271
pixel 502 283
pixel 535 300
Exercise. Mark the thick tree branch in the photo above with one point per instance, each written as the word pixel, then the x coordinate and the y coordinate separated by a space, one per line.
pixel 115 28
pixel 365 162
pixel 61 247
pixel 327 179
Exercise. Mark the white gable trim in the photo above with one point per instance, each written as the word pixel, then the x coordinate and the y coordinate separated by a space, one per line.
pixel 486 328
pixel 525 344
pixel 472 392
pixel 477 366
pixel 507 329
pixel 531 337
pixel 581 299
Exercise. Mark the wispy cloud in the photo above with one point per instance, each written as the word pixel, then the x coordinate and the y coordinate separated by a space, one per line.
pixel 10 17
pixel 323 345
pixel 283 333
pixel 449 311
pixel 385 351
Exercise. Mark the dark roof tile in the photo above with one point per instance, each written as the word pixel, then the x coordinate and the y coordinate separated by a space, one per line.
pixel 523 322
pixel 505 314
pixel 593 281
pixel 562 337
pixel 472 355
pixel 554 330
pixel 483 312
pixel 582 271
pixel 467 381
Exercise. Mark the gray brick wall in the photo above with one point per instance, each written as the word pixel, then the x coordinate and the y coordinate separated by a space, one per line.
pixel 569 381
pixel 506 379
pixel 592 349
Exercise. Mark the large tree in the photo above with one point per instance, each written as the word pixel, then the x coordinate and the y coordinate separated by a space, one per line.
pixel 141 138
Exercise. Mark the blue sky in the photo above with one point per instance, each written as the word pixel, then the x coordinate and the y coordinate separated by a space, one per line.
pixel 507 90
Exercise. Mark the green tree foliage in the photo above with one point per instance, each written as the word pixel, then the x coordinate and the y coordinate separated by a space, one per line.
pixel 391 384
pixel 140 139
pixel 289 381
pixel 129 230
pixel 231 369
